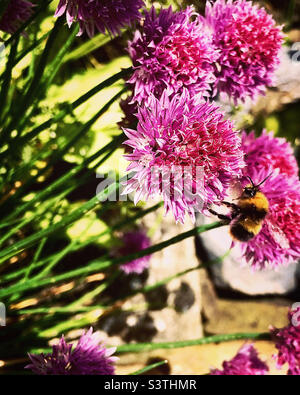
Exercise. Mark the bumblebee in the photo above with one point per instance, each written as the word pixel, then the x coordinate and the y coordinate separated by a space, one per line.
pixel 247 216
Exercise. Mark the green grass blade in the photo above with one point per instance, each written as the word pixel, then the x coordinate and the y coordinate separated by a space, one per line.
pixel 7 76
pixel 99 264
pixel 77 246
pixel 139 347
pixel 76 214
pixel 102 85
pixel 87 47
pixel 55 65
pixel 57 310
pixel 149 367
pixel 57 156
pixel 30 48
pixel 35 83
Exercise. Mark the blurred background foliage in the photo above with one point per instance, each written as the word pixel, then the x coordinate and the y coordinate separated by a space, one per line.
pixel 29 167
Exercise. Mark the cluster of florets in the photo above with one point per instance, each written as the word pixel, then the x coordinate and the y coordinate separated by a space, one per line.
pixel 133 242
pixel 287 342
pixel 102 16
pixel 89 357
pixel 245 363
pixel 249 43
pixel 269 152
pixel 173 51
pixel 234 49
pixel 184 151
pixel 16 13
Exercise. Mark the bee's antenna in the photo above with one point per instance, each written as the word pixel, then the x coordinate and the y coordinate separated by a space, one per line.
pixel 264 180
pixel 251 181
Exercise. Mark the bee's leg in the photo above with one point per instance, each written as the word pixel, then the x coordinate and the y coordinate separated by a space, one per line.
pixel 235 210
pixel 222 217
pixel 231 205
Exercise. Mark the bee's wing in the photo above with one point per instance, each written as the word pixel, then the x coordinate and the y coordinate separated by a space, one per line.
pixel 235 190
pixel 277 234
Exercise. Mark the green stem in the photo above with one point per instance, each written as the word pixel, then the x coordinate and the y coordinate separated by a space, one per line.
pixel 87 47
pixel 72 217
pixel 149 367
pixel 55 261
pixel 50 74
pixel 53 68
pixel 34 86
pixel 33 60
pixel 144 290
pixel 20 173
pixel 25 222
pixel 30 48
pixel 27 23
pixel 89 296
pixel 47 80
pixel 96 265
pixel 37 254
pixel 118 225
pixel 174 240
pixel 57 310
pixel 9 203
pixel 77 246
pixel 35 217
pixel 187 343
pixel 7 76
pixel 104 84
pixel 166 280
pixel 9 223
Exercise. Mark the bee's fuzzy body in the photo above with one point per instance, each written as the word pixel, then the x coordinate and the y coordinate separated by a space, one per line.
pixel 251 211
pixel 247 216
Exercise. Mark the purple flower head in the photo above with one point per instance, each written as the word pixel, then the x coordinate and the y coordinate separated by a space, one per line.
pixel 184 151
pixel 278 243
pixel 174 50
pixel 87 358
pixel 101 15
pixel 249 43
pixel 134 242
pixel 16 13
pixel 267 151
pixel 287 342
pixel 245 363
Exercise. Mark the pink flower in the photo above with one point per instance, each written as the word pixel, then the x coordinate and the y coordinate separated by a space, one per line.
pixel 267 151
pixel 87 358
pixel 245 363
pixel 249 43
pixel 288 343
pixel 134 242
pixel 104 15
pixel 172 51
pixel 184 151
pixel 16 13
